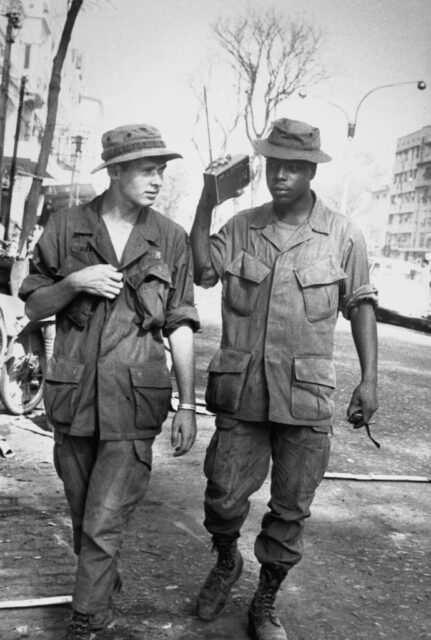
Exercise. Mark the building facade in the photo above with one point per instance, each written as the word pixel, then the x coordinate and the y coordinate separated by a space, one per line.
pixel 408 234
pixel 32 52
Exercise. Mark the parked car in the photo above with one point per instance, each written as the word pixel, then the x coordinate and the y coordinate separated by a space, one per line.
pixel 404 292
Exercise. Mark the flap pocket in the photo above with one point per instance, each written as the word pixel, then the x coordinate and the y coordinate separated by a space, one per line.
pixel 155 271
pixel 151 387
pixel 229 361
pixel 315 370
pixel 156 377
pixel 60 391
pixel 227 373
pixel 62 369
pixel 143 451
pixel 242 283
pixel 248 267
pixel 313 388
pixel 322 272
pixel 76 261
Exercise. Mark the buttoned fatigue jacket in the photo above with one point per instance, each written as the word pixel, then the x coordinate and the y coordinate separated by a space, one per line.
pixel 108 374
pixel 279 307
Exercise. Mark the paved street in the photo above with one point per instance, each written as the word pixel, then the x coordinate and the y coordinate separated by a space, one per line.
pixel 366 572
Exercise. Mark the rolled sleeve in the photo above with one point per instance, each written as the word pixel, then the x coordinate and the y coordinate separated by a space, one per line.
pixel 356 287
pixel 44 262
pixel 180 307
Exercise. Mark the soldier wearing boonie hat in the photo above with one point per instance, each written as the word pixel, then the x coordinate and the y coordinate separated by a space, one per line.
pixel 287 268
pixel 118 276
pixel 131 142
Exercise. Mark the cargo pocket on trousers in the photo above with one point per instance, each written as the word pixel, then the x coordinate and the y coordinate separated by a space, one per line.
pixel 313 384
pixel 152 390
pixel 320 287
pixel 242 283
pixel 226 378
pixel 60 389
pixel 144 451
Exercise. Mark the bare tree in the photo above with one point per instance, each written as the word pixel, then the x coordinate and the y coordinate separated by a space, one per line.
pixel 271 56
pixel 30 209
pixel 171 197
pixel 225 123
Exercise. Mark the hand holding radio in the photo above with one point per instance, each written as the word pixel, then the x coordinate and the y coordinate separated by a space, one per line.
pixel 226 177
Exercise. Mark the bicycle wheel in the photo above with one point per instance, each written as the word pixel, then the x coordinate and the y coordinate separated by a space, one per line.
pixel 21 378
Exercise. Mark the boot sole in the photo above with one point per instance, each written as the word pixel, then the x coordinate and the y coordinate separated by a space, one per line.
pixel 252 630
pixel 207 618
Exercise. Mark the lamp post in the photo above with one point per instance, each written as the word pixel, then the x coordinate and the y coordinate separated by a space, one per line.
pixel 351 128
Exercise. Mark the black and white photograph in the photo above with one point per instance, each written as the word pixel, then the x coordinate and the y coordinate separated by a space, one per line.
pixel 215 320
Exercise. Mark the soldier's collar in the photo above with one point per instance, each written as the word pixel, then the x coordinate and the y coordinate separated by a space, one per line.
pixel 318 220
pixel 89 219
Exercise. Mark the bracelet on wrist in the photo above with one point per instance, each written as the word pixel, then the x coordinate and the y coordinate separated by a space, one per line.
pixel 187 407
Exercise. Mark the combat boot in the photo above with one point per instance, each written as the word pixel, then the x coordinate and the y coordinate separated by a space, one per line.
pixel 214 593
pixel 263 623
pixel 79 627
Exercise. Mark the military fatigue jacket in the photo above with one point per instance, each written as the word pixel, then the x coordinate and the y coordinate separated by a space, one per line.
pixel 108 373
pixel 280 303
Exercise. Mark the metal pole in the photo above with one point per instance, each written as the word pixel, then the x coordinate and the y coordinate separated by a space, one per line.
pixel 13 161
pixel 12 23
pixel 76 167
pixel 351 130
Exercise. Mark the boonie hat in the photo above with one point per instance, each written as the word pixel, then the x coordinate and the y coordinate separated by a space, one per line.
pixel 133 141
pixel 292 140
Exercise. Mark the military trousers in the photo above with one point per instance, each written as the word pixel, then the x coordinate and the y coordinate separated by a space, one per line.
pixel 236 465
pixel 103 482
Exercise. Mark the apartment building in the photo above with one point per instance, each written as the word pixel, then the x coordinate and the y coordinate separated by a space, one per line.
pixel 32 52
pixel 408 233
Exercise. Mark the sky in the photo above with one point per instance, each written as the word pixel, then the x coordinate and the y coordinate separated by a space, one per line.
pixel 140 55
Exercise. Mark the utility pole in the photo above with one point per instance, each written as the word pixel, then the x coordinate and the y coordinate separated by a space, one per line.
pixel 76 167
pixel 13 23
pixel 12 171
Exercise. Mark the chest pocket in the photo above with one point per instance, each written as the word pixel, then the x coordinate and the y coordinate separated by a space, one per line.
pixel 150 290
pixel 82 307
pixel 242 283
pixel 319 283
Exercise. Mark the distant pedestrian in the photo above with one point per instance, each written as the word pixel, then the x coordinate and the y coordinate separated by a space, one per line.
pixel 287 268
pixel 118 276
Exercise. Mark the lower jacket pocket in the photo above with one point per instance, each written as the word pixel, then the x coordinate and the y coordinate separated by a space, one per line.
pixel 60 389
pixel 313 384
pixel 227 373
pixel 152 390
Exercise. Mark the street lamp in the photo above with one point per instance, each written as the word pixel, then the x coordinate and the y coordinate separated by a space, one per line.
pixel 351 127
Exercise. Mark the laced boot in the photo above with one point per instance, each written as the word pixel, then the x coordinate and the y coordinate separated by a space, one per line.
pixel 79 627
pixel 214 593
pixel 263 623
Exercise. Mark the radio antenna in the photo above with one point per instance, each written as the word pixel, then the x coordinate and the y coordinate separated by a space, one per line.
pixel 208 126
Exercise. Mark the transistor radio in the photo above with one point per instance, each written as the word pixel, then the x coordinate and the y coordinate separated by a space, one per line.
pixel 226 176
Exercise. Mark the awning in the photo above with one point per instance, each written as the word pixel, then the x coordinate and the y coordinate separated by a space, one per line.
pixel 24 167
